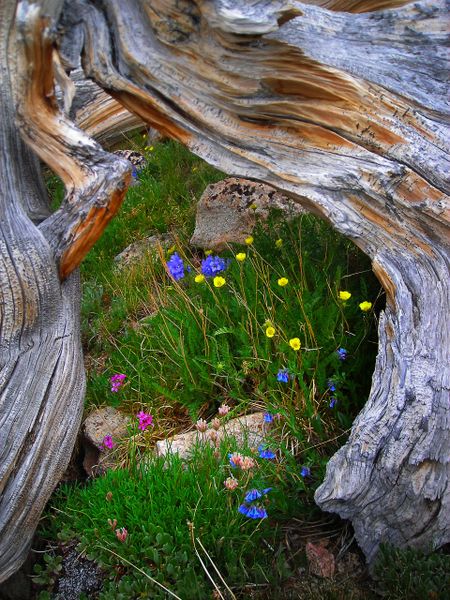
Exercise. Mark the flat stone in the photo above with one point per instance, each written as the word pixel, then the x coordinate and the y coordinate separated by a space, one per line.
pixel 228 211
pixel 249 429
pixel 139 249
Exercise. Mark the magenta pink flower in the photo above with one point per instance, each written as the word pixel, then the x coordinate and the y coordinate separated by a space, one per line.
pixel 117 381
pixel 145 420
pixel 107 442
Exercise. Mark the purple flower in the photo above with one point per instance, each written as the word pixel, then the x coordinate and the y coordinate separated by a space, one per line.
pixel 333 402
pixel 176 266
pixel 305 471
pixel 145 420
pixel 243 510
pixel 265 452
pixel 253 495
pixel 107 442
pixel 283 376
pixel 212 265
pixel 117 381
pixel 342 353
pixel 331 385
pixel 268 418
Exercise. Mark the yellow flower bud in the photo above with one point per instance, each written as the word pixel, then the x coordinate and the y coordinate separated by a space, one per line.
pixel 219 282
pixel 249 240
pixel 278 243
pixel 295 344
pixel 208 252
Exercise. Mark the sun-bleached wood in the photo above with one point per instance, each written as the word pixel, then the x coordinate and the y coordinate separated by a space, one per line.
pixel 344 111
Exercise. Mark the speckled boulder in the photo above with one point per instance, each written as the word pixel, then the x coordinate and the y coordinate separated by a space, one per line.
pixel 228 211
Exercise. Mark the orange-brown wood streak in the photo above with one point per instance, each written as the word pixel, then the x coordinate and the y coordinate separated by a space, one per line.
pixel 89 231
pixel 386 282
pixel 150 112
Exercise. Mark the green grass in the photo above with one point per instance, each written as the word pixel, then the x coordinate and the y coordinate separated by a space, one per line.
pixel 186 347
pixel 173 510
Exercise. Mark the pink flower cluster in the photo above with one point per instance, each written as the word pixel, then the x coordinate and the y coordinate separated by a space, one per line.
pixel 145 420
pixel 242 462
pixel 107 442
pixel 231 483
pixel 117 381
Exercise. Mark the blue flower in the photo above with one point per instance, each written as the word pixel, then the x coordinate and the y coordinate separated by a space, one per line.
pixel 268 418
pixel 305 472
pixel 243 509
pixel 176 266
pixel 265 453
pixel 212 265
pixel 283 376
pixel 233 464
pixel 253 495
pixel 342 353
pixel 333 402
pixel 134 172
pixel 256 512
pixel 331 385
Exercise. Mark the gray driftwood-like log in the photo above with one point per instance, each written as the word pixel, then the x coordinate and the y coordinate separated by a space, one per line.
pixel 344 111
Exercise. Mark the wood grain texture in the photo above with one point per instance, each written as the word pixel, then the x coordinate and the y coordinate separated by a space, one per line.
pixel 344 111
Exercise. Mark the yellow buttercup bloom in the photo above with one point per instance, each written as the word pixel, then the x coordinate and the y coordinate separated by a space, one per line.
pixel 241 256
pixel 365 306
pixel 278 243
pixel 249 240
pixel 295 344
pixel 270 332
pixel 283 281
pixel 208 252
pixel 219 281
pixel 344 295
pixel 199 278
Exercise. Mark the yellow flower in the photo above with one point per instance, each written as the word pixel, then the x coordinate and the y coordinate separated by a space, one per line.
pixel 194 169
pixel 253 206
pixel 365 306
pixel 344 295
pixel 279 243
pixel 283 281
pixel 295 344
pixel 268 324
pixel 149 148
pixel 270 332
pixel 241 256
pixel 199 278
pixel 208 252
pixel 249 240
pixel 219 281
pixel 171 250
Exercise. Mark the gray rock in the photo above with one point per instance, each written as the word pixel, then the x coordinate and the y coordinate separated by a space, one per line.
pixel 249 429
pixel 139 249
pixel 228 211
pixel 102 422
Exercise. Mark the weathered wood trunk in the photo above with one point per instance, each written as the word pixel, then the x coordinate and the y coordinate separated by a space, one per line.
pixel 344 111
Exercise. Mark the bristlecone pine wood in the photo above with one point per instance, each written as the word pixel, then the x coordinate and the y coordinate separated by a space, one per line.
pixel 340 104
